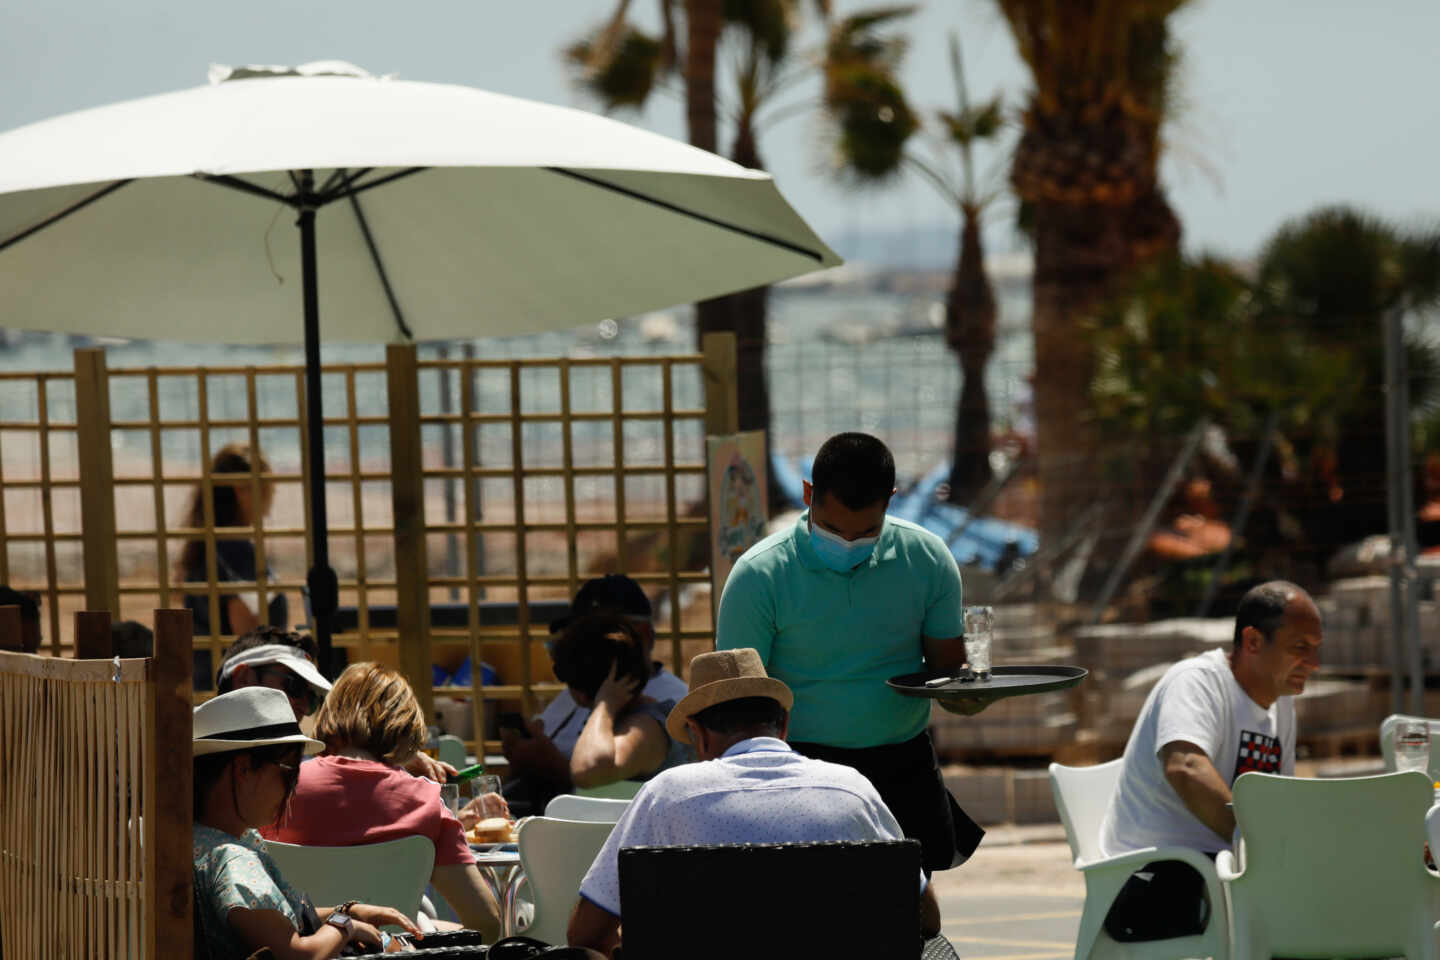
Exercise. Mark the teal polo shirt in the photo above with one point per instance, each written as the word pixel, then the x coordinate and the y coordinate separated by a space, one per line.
pixel 835 638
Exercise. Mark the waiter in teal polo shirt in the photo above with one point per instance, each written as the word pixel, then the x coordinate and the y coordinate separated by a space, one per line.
pixel 839 603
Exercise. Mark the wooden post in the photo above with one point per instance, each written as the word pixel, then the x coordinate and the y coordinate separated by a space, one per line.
pixel 722 396
pixel 97 480
pixel 10 627
pixel 720 371
pixel 92 635
pixel 407 495
pixel 169 776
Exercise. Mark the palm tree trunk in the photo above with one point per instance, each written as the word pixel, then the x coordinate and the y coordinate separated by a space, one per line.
pixel 702 37
pixel 970 332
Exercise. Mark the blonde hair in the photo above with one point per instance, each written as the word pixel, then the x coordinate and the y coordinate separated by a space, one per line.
pixel 371 706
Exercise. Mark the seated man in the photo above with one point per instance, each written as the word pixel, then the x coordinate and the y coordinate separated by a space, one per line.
pixel 540 762
pixel 752 788
pixel 1209 719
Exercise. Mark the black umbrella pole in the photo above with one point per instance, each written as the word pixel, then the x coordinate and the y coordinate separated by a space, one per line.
pixel 323 585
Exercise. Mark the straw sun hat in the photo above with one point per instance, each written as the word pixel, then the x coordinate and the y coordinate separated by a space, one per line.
pixel 246 718
pixel 721 676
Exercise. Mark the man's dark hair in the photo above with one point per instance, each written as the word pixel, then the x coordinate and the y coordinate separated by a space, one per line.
pixel 29 607
pixel 584 652
pixel 1263 607
pixel 743 715
pixel 259 637
pixel 854 468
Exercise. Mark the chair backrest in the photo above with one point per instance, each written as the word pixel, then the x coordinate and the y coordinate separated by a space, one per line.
pixel 95 808
pixel 619 790
pixel 673 900
pixel 1334 867
pixel 568 806
pixel 1082 795
pixel 451 750
pixel 1387 742
pixel 391 874
pixel 555 855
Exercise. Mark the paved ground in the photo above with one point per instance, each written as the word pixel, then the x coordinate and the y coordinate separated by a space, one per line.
pixel 1018 898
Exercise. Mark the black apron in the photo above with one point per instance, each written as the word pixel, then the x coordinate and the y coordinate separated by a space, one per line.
pixel 907 777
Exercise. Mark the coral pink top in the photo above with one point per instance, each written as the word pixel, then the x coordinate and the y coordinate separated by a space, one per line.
pixel 345 802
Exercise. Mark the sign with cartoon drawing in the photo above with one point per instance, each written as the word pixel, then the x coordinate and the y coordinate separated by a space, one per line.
pixel 737 500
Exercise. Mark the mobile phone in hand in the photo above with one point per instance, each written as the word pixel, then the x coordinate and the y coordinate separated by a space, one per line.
pixel 513 721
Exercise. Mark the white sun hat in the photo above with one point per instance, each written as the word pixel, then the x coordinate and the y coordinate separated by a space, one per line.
pixel 246 718
pixel 279 654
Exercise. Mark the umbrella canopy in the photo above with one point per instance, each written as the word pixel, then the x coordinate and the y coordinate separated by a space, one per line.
pixel 486 214
pixel 442 212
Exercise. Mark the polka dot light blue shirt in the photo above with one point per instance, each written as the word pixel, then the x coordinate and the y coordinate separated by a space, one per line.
pixel 760 791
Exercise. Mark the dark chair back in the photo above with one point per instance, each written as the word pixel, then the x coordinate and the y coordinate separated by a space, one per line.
pixel 780 900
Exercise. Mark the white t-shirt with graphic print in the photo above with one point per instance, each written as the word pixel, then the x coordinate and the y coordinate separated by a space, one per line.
pixel 1199 701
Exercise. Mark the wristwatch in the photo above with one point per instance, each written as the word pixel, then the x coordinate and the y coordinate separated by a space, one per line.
pixel 341 921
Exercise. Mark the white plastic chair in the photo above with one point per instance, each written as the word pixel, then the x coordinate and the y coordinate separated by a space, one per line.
pixel 619 790
pixel 1331 868
pixel 568 806
pixel 554 855
pixel 1082 795
pixel 391 874
pixel 1387 742
pixel 451 749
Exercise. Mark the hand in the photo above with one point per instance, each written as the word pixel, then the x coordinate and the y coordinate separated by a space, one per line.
pixel 424 765
pixel 967 707
pixel 374 916
pixel 615 692
pixel 526 753
pixel 486 805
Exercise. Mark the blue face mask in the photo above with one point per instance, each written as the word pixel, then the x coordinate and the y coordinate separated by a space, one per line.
pixel 837 553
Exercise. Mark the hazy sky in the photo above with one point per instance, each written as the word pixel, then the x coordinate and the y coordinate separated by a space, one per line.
pixel 1288 103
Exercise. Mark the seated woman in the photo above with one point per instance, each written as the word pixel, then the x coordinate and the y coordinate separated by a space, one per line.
pixel 357 792
pixel 247 749
pixel 602 660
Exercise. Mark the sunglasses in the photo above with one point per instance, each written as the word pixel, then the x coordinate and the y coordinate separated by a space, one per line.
pixel 294 685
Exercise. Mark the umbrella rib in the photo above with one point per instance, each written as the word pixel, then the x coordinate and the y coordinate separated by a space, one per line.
pixel 341 179
pixel 350 190
pixel 245 186
pixel 694 215
pixel 380 268
pixel 62 214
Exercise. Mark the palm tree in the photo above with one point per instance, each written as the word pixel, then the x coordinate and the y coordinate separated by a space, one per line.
pixel 622 65
pixel 1085 171
pixel 864 99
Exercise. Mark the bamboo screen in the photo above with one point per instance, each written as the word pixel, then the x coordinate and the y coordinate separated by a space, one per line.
pixel 72 764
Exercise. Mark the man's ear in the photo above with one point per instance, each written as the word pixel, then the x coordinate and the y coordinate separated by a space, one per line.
pixel 244 676
pixel 697 736
pixel 1252 639
pixel 807 491
pixel 785 725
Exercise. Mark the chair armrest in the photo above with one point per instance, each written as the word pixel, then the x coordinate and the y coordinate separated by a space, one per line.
pixel 1226 866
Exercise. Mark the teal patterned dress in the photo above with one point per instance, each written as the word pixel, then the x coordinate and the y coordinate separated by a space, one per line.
pixel 237 872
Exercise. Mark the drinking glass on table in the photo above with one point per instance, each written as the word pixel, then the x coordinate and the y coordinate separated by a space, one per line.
pixel 450 793
pixel 1412 745
pixel 485 783
pixel 979 632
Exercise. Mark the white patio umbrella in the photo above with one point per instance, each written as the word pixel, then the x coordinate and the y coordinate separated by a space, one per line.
pixel 440 212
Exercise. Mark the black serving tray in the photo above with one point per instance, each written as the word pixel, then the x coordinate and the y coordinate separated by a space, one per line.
pixel 1018 681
